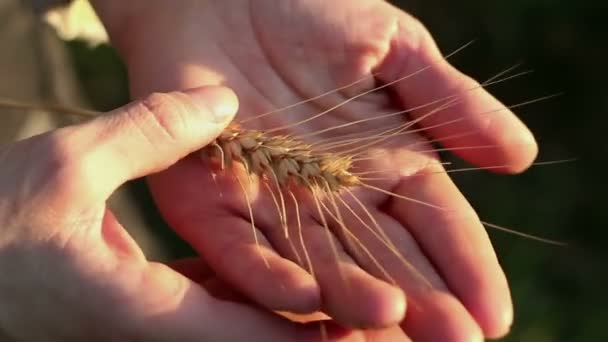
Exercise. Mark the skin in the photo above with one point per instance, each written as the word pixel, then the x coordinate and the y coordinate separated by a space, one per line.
pixel 71 270
pixel 272 54
pixel 275 54
pixel 278 53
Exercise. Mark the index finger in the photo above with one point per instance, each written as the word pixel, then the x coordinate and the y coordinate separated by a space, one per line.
pixel 475 118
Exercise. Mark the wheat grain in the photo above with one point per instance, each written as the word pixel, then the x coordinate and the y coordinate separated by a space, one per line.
pixel 287 159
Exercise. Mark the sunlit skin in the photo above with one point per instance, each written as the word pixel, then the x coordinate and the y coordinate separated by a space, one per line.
pixel 70 272
pixel 275 53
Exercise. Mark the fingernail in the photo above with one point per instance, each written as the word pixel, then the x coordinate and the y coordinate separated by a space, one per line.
pixel 220 101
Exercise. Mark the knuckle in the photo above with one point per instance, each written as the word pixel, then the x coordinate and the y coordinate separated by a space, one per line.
pixel 66 160
pixel 418 40
pixel 415 32
pixel 419 28
pixel 61 150
pixel 166 115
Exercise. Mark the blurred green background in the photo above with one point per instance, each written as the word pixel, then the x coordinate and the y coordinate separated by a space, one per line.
pixel 559 293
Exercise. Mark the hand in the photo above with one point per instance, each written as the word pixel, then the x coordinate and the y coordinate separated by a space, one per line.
pixel 275 53
pixel 70 272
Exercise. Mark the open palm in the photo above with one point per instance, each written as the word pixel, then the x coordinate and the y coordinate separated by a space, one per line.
pixel 276 53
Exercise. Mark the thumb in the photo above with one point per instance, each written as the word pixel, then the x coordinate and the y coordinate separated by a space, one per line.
pixel 143 137
pixel 153 133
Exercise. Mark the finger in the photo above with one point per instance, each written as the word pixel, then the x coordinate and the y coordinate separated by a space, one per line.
pixel 228 244
pixel 458 246
pixel 92 159
pixel 226 239
pixel 197 270
pixel 351 295
pixel 434 314
pixel 253 267
pixel 438 316
pixel 476 116
pixel 176 309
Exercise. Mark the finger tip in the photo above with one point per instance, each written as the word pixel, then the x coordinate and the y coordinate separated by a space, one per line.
pixel 497 323
pixel 299 293
pixel 372 306
pixel 309 298
pixel 522 151
pixel 383 306
pixel 491 306
pixel 519 147
pixel 498 332
pixel 221 101
pixel 389 307
pixel 510 155
pixel 440 317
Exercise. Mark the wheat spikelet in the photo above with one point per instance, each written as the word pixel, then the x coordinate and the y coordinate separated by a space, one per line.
pixel 288 159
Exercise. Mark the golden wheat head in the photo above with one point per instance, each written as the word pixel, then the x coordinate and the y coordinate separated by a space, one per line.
pixel 286 159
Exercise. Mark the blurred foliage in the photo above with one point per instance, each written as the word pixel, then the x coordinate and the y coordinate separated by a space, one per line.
pixel 559 293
